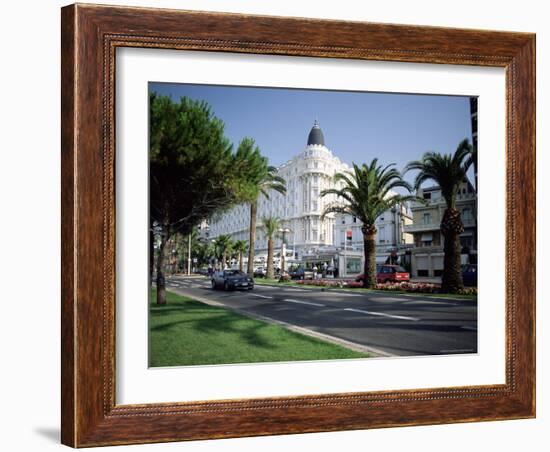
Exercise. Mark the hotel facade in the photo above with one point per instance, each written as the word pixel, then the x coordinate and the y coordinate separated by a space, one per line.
pixel 306 176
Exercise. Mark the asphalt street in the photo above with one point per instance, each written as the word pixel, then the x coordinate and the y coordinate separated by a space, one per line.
pixel 390 324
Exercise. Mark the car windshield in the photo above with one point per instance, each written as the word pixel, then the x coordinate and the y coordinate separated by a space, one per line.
pixel 398 269
pixel 233 273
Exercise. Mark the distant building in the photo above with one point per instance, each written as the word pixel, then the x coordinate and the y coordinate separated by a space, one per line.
pixel 391 239
pixel 427 252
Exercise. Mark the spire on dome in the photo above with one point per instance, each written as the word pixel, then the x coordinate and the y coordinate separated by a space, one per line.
pixel 316 135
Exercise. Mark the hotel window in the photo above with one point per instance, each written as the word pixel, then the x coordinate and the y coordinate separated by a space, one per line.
pixel 314 235
pixel 355 219
pixel 382 234
pixel 427 218
pixel 316 165
pixel 467 214
pixel 426 239
pixel 427 195
pixel 314 203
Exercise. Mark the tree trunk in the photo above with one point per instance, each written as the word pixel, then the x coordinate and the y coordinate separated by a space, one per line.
pixel 451 228
pixel 270 272
pixel 369 247
pixel 252 239
pixel 224 260
pixel 161 283
pixel 151 255
pixel 240 261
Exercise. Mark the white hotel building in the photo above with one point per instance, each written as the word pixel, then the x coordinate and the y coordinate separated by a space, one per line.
pixel 306 175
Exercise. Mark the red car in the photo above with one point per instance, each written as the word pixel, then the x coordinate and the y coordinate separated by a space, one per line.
pixel 388 273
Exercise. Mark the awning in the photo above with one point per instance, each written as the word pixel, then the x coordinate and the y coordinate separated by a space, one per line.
pixel 426 237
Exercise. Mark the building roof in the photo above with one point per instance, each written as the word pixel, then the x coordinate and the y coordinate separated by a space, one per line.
pixel 316 135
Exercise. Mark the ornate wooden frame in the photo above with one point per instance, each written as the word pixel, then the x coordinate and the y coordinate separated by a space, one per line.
pixel 90 35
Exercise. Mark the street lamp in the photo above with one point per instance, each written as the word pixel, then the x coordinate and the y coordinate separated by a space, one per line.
pixel 283 248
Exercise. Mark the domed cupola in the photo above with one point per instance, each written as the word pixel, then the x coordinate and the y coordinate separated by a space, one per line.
pixel 316 135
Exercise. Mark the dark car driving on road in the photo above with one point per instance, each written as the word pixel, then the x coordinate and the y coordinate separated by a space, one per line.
pixel 231 279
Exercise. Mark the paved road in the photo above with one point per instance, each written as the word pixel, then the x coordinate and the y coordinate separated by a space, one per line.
pixel 394 324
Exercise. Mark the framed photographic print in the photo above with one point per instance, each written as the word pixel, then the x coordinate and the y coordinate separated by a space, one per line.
pixel 268 229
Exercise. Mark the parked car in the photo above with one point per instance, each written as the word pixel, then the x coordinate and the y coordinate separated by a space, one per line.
pixel 301 273
pixel 231 279
pixel 388 273
pixel 469 275
pixel 260 272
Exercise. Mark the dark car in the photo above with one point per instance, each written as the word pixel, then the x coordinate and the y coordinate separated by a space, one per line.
pixel 388 273
pixel 231 279
pixel 469 275
pixel 301 273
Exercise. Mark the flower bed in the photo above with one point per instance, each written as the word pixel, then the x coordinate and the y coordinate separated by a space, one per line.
pixel 412 287
pixel 409 287
pixel 323 283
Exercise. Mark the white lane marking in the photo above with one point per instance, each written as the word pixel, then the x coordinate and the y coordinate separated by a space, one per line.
pixel 303 302
pixel 387 299
pixel 382 314
pixel 434 296
pixel 294 290
pixel 258 295
pixel 341 294
pixel 432 302
pixel 469 328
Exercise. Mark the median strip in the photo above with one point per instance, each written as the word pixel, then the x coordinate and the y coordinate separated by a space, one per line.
pixel 401 317
pixel 304 302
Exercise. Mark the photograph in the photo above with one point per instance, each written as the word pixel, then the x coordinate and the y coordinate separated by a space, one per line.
pixel 290 224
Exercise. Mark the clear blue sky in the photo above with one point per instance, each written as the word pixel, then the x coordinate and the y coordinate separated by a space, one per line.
pixel 358 126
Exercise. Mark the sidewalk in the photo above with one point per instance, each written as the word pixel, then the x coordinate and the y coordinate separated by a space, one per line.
pixel 420 279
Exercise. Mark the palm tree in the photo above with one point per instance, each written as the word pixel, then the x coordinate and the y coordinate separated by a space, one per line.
pixel 472 161
pixel 222 245
pixel 367 193
pixel 449 172
pixel 270 226
pixel 264 179
pixel 240 246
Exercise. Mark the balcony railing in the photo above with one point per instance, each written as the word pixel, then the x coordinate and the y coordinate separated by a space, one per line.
pixel 420 227
pixel 440 200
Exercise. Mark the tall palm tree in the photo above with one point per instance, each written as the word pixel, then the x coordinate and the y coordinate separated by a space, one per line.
pixel 263 180
pixel 240 247
pixel 449 172
pixel 472 161
pixel 270 226
pixel 366 193
pixel 222 245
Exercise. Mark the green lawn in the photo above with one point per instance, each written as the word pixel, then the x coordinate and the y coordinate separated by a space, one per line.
pixel 188 332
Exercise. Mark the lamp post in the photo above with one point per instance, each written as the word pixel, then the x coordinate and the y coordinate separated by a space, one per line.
pixel 189 256
pixel 283 248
